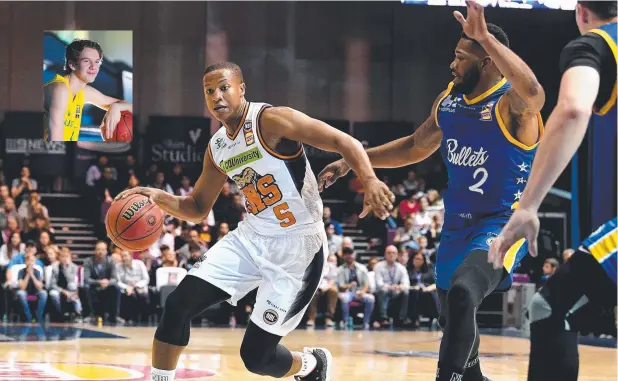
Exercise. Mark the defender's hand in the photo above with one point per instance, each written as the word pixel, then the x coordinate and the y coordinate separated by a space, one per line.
pixel 331 173
pixel 378 198
pixel 474 26
pixel 151 193
pixel 523 224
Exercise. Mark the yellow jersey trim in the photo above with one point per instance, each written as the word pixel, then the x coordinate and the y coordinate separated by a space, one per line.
pixel 446 93
pixel 486 93
pixel 509 258
pixel 612 45
pixel 605 247
pixel 510 137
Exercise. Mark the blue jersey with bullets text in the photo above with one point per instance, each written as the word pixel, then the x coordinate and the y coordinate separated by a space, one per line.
pixel 487 172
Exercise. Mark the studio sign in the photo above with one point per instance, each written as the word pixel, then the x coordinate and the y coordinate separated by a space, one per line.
pixel 179 151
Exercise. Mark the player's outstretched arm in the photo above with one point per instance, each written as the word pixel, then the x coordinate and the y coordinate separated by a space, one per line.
pixel 59 102
pixel 565 130
pixel 398 153
pixel 195 206
pixel 113 107
pixel 516 71
pixel 284 122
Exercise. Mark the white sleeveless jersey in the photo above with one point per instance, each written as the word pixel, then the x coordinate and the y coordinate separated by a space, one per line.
pixel 281 192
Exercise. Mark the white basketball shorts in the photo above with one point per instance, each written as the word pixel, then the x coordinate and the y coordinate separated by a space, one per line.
pixel 287 269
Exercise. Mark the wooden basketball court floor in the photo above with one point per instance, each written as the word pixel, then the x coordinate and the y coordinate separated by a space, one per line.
pixel 85 352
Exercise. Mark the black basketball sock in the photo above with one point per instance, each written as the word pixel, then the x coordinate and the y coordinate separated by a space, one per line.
pixel 449 373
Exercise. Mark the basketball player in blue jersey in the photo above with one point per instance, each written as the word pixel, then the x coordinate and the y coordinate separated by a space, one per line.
pixel 486 125
pixel 588 85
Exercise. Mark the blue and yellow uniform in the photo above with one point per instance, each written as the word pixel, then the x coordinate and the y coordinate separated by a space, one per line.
pixel 603 243
pixel 72 115
pixel 487 170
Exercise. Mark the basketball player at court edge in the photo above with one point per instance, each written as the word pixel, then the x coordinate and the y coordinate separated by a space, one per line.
pixel 588 65
pixel 280 248
pixel 487 126
pixel 65 95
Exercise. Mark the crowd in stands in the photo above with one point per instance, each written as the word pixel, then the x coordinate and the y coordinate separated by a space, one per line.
pixel 393 288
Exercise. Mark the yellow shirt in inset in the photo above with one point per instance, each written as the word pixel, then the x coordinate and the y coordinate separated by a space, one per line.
pixel 73 114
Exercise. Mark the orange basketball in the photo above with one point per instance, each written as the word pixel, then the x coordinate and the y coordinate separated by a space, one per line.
pixel 133 223
pixel 124 128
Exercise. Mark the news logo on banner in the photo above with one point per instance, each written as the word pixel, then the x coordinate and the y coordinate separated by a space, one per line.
pixel 34 146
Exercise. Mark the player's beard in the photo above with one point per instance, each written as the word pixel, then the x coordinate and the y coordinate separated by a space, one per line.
pixel 469 81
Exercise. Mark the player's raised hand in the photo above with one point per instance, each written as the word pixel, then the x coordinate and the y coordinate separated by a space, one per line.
pixel 331 173
pixel 151 193
pixel 378 198
pixel 523 224
pixel 474 26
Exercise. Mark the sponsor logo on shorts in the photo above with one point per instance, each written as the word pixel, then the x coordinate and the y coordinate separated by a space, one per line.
pixel 241 160
pixel 276 307
pixel 270 317
pixel 134 208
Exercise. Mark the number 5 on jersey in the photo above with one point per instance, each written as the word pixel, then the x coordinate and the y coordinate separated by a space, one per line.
pixel 264 193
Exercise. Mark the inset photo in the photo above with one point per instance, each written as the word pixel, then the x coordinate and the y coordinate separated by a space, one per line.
pixel 88 85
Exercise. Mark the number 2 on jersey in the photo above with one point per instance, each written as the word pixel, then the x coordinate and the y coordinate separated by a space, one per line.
pixel 477 187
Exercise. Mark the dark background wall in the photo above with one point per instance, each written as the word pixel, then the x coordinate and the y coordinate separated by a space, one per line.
pixel 360 61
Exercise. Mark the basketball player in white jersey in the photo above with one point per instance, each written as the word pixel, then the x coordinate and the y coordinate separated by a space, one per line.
pixel 281 246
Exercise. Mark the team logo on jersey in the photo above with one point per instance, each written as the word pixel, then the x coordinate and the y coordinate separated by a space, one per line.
pixel 270 317
pixel 247 130
pixel 465 156
pixel 486 112
pixel 240 160
pixel 219 143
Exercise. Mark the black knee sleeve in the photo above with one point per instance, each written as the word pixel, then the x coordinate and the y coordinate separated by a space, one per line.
pixel 262 354
pixel 192 296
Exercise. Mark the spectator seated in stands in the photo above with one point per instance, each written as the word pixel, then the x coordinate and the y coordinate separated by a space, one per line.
pixel 326 289
pixel 22 186
pixel 328 220
pixel 411 183
pixel 549 268
pixel 392 283
pixel 160 183
pixel 195 257
pixel 13 247
pixel 194 241
pixel 4 194
pixel 407 234
pixel 333 240
pixel 185 186
pixel 63 283
pixel 20 258
pixel 423 295
pixel 408 206
pixel 100 279
pixel 12 226
pixel 353 283
pixel 133 281
pixel 422 218
pixel 7 212
pixel 29 210
pixel 29 284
